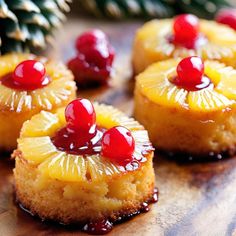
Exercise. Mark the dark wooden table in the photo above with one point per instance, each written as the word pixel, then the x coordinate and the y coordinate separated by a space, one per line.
pixel 195 198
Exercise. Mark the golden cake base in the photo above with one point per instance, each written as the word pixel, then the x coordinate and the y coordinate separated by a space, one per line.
pixel 81 202
pixel 183 130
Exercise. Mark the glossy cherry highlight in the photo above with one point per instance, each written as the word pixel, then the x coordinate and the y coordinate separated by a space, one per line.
pixel 80 115
pixel 227 17
pixel 186 30
pixel 95 48
pixel 30 74
pixel 88 39
pixel 118 145
pixel 190 70
pixel 190 73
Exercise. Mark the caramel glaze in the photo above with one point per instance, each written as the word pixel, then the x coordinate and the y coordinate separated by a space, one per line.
pixel 79 143
pixel 75 143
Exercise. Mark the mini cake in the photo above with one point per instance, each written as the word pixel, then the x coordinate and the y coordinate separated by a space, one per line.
pixel 187 106
pixel 92 165
pixel 28 85
pixel 183 36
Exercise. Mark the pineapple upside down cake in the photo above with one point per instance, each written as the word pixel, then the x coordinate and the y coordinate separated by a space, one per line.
pixel 29 84
pixel 85 163
pixel 188 106
pixel 183 36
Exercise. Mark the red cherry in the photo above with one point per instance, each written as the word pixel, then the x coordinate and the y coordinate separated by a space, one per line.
pixel 191 74
pixel 227 17
pixel 89 38
pixel 95 47
pixel 94 58
pixel 190 70
pixel 80 114
pixel 186 28
pixel 98 55
pixel 30 73
pixel 118 145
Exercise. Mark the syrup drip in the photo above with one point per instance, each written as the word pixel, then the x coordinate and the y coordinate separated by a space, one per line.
pixel 144 207
pixel 104 226
pixel 84 143
pixel 98 228
pixel 155 196
pixel 79 143
pixel 8 81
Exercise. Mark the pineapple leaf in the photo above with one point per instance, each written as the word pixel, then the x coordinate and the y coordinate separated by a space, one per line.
pixel 29 24
pixel 5 11
pixel 25 5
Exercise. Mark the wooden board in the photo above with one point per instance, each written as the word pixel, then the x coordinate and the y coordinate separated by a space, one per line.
pixel 195 199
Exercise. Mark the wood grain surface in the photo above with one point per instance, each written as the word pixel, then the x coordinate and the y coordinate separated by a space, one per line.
pixel 195 198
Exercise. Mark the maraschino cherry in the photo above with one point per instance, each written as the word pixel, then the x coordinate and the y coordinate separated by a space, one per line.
pixel 186 30
pixel 89 38
pixel 190 74
pixel 80 136
pixel 80 114
pixel 96 49
pixel 118 145
pixel 93 62
pixel 227 17
pixel 28 75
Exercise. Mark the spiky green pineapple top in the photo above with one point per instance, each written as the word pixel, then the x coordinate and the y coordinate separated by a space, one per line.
pixel 155 8
pixel 126 8
pixel 27 24
pixel 205 8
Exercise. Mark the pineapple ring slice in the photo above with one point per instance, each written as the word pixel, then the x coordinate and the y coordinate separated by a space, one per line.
pixel 37 148
pixel 44 98
pixel 155 83
pixel 193 122
pixel 17 106
pixel 151 44
pixel 80 189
